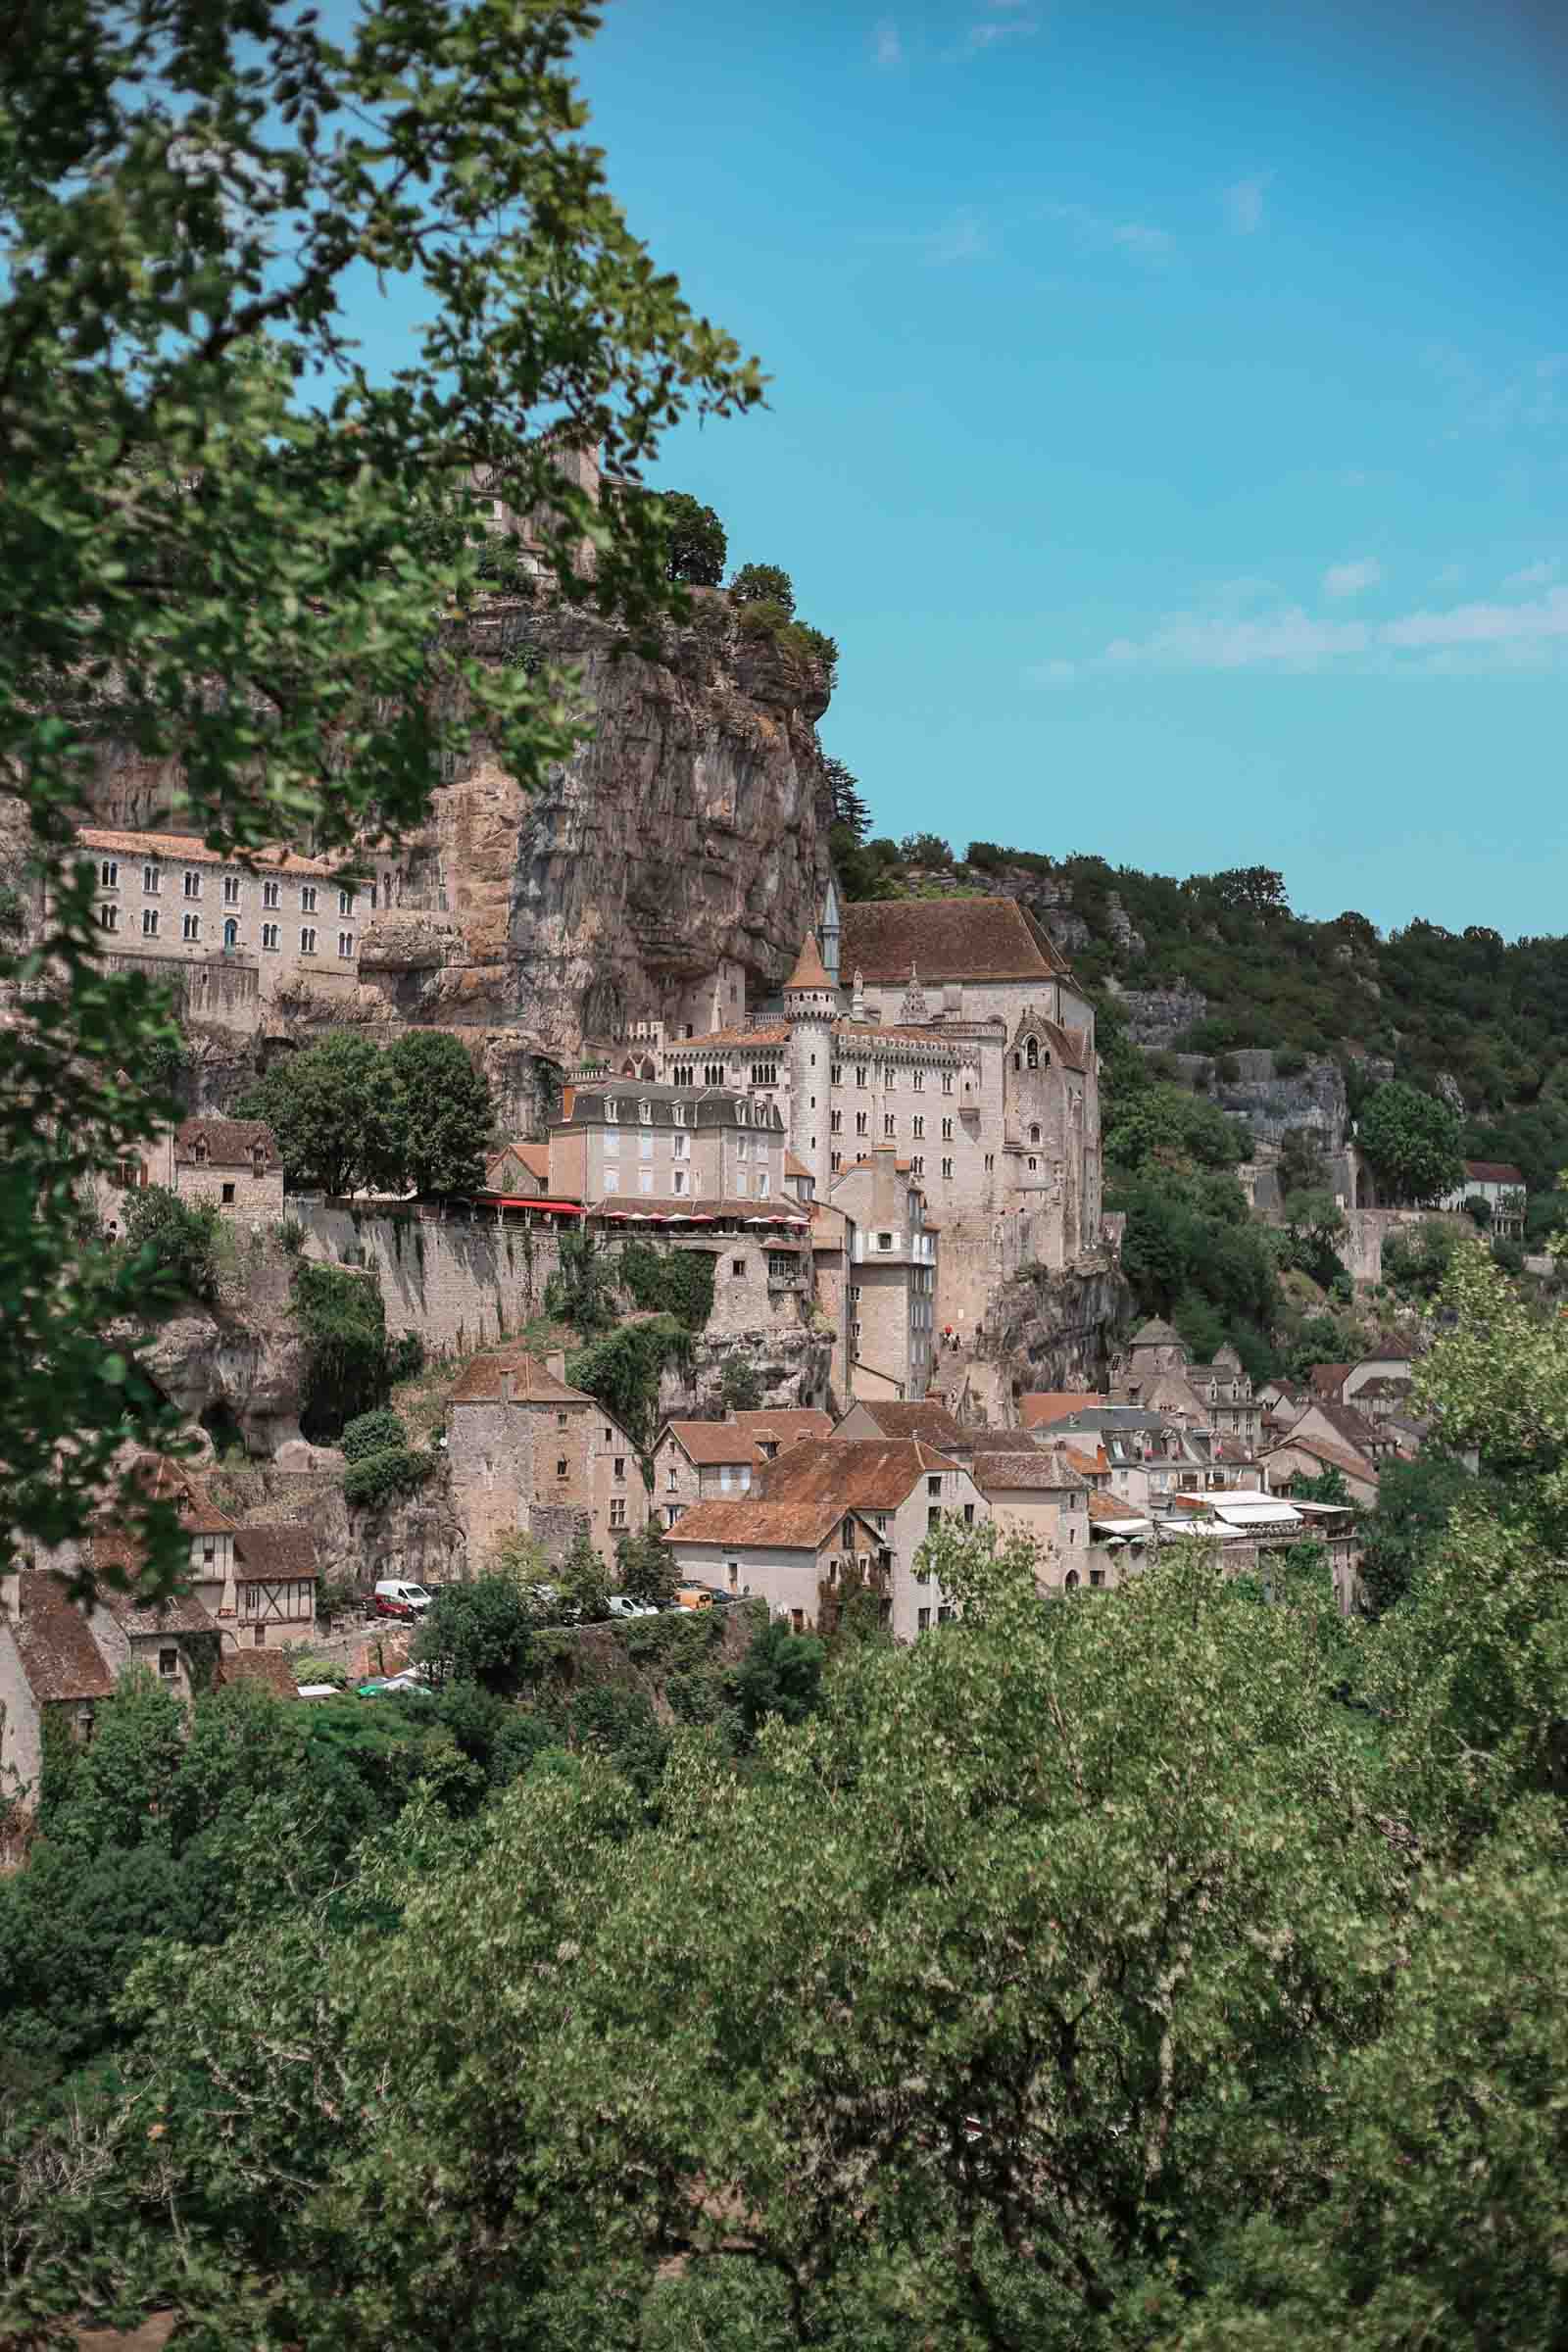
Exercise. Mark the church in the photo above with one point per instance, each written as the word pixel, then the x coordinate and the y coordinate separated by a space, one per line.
pixel 958 1053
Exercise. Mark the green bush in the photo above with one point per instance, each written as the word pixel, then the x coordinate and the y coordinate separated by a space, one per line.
pixel 670 1282
pixel 695 543
pixel 373 1433
pixel 379 1477
pixel 181 1238
pixel 1289 1062
pixel 347 1366
pixel 740 1385
pixel 763 583
pixel 623 1370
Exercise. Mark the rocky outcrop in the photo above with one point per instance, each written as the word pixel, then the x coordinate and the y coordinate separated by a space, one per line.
pixel 794 1366
pixel 1158 1016
pixel 237 1365
pixel 1312 1097
pixel 417 1536
pixel 1059 1330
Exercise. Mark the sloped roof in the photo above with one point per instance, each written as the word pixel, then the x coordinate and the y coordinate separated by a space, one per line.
pixel 267 1668
pixel 1354 1426
pixel 1104 1511
pixel 1067 1044
pixel 1326 1380
pixel 794 1166
pixel 1354 1465
pixel 1156 1333
pixel 1031 1470
pixel 485 1381
pixel 192 848
pixel 1493 1171
pixel 711 1443
pixel 1088 1465
pixel 760 1525
pixel 181 1613
pixel 1043 1406
pixel 59 1655
pixel 535 1157
pixel 168 1481
pixel 868 1474
pixel 788 1423
pixel 230 1143
pixel 1386 1384
pixel 930 1422
pixel 945 939
pixel 285 1549
pixel 1386 1348
pixel 809 970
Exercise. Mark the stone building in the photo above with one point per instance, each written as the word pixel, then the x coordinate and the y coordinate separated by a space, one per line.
pixel 229 934
pixel 1502 1186
pixel 1225 1391
pixel 257 1585
pixel 963 1040
pixel 49 1664
pixel 531 1454
pixel 877 1268
pixel 713 1461
pixel 796 1556
pixel 1034 1491
pixel 638 1139
pixel 234 1164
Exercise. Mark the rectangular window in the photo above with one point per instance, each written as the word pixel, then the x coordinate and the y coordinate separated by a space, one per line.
pixel 917 1081
pixel 1096 1576
pixel 232 890
pixel 677 1113
pixel 923 1620
pixel 345 943
pixel 860 1127
pixel 307 898
pixel 835 1162
pixel 269 894
pixel 835 1074
pixel 740 1184
pixel 990 1164
pixel 677 1182
pixel 308 940
pixel 611 1180
pixel 947 1131
pixel 561 1420
pixel 764 1184
pixel 561 1467
pixel 946 1168
pixel 947 1086
pixel 672 1479
pixel 884 1240
pixel 617 1510
pixel 269 937
pixel 108 874
pixel 835 1122
pixel 621 1466
pixel 860 1073
pixel 345 901
pixel 743 1147
pixel 108 919
pixel 919 1127
pixel 149 922
pixel 228 1194
pixel 644 1180
pixel 611 1147
pixel 152 880
pixel 611 1110
pixel 168 1664
pixel 890 1125
pixel 645 1147
pixel 646 1113
pixel 193 883
pixel 917 1165
pixel 191 928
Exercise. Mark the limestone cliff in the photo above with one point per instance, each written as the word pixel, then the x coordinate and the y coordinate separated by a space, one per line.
pixel 1058 1331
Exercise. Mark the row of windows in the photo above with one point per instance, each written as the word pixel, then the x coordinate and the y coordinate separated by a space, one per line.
pixel 191 930
pixel 682 1182
pixel 918 1166
pixel 152 882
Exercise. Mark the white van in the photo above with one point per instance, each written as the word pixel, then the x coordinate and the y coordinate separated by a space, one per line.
pixel 394 1598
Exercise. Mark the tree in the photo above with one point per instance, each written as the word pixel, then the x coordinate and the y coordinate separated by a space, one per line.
pixel 584 1581
pixel 740 1385
pixel 325 1106
pixel 1412 1142
pixel 178 1238
pixel 250 553
pixel 478 1633
pixel 373 1433
pixel 644 1568
pixel 520 1559
pixel 1301 1166
pixel 762 583
pixel 1250 889
pixel 1166 1126
pixel 581 1291
pixel 1314 1222
pixel 437 1116
pixel 781 1673
pixel 695 544
pixel 1416 1504
pixel 848 809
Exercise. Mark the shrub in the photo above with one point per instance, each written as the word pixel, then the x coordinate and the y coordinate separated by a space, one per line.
pixel 672 1282
pixel 740 1385
pixel 644 1568
pixel 379 1477
pixel 180 1235
pixel 336 1598
pixel 696 545
pixel 1289 1062
pixel 623 1370
pixel 763 583
pixel 925 849
pixel 347 1368
pixel 373 1433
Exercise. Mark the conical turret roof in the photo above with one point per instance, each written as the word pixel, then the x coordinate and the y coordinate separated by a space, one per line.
pixel 1156 1333
pixel 809 970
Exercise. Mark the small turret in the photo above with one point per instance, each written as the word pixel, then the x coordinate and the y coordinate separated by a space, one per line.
pixel 829 928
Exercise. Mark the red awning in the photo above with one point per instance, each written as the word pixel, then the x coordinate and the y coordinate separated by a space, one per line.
pixel 566 1209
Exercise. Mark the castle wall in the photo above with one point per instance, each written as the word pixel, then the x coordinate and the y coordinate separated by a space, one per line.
pixel 458 1285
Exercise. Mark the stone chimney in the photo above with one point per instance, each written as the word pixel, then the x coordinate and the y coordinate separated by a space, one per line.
pixel 556 1364
pixel 885 1210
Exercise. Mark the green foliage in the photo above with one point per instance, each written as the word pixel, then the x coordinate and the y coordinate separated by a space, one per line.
pixel 645 1568
pixel 436 1114
pixel 623 1370
pixel 584 1581
pixel 209 483
pixel 518 1558
pixel 693 540
pixel 343 1319
pixel 1192 1254
pixel 1416 1260
pixel 176 1238
pixel 669 1282
pixel 780 1675
pixel 323 1105
pixel 740 1385
pixel 373 1433
pixel 378 1478
pixel 762 583
pixel 925 849
pixel 850 815
pixel 1416 1504
pixel 479 1632
pixel 1328 1486
pixel 1412 1142
pixel 1163 1126
pixel 582 1290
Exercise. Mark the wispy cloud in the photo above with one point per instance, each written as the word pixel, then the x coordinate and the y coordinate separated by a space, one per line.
pixel 1534 575
pixel 992 30
pixel 1351 579
pixel 1484 402
pixel 886 48
pixel 1243 202
pixel 1497 635
pixel 964 238
pixel 1098 232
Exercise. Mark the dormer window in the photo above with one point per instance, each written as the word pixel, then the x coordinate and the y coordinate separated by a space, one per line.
pixel 677 1113
pixel 199 1151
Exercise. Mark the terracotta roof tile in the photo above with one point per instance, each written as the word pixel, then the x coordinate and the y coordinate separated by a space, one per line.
pixel 1327 1380
pixel 284 1550
pixel 809 970
pixel 1105 1510
pixel 192 848
pixel 59 1655
pixel 1038 1410
pixel 868 1474
pixel 534 1158
pixel 1031 1470
pixel 486 1380
pixel 788 1422
pixel 1493 1171
pixel 759 1524
pixel 945 939
pixel 711 1445
pixel 230 1143
pixel 931 1423
pixel 1354 1465
pixel 269 1668
pixel 1354 1428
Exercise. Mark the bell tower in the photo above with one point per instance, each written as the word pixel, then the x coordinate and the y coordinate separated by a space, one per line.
pixel 810 1007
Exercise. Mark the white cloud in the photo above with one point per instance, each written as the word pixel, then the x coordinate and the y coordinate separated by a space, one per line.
pixel 964 238
pixel 1243 202
pixel 987 36
pixel 1097 233
pixel 886 48
pixel 1350 579
pixel 1494 636
pixel 1534 575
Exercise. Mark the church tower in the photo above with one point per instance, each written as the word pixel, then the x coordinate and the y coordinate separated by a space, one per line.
pixel 829 929
pixel 810 1007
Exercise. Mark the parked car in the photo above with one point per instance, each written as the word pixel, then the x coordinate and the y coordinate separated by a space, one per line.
pixel 694 1597
pixel 717 1592
pixel 396 1598
pixel 622 1604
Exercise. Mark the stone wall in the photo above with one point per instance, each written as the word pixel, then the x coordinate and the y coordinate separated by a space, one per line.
pixel 1360 1247
pixel 458 1285
pixel 417 1536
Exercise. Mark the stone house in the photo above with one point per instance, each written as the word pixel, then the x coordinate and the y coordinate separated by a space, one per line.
pixel 885 1321
pixel 929 1421
pixel 231 935
pixel 1034 1491
pixel 905 1490
pixel 531 1454
pixel 256 1585
pixel 1152 1374
pixel 1297 1456
pixel 1502 1186
pixel 49 1665
pixel 1343 1426
pixel 1226 1393
pixel 639 1141
pixel 518 1171
pixel 234 1164
pixel 712 1461
pixel 796 1556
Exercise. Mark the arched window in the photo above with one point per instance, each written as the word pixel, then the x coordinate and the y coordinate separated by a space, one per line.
pixel 231 933
pixel 1031 1053
pixel 1070 1580
pixel 1034 1135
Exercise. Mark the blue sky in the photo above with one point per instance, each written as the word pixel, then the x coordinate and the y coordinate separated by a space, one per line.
pixel 1169 414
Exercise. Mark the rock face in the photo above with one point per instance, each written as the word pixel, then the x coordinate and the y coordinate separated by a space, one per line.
pixel 794 1367
pixel 219 1366
pixel 1059 1331
pixel 1312 1097
pixel 1158 1016
pixel 417 1536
